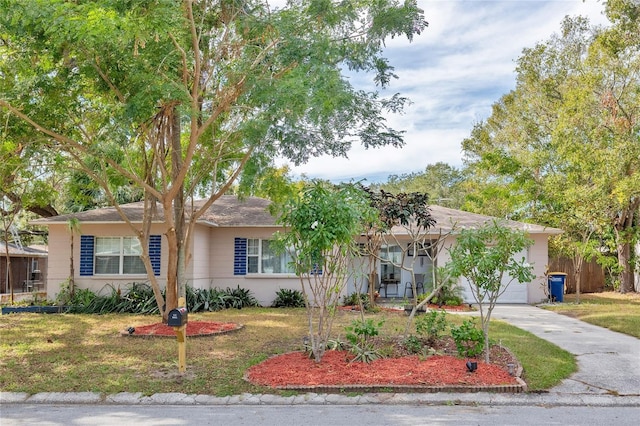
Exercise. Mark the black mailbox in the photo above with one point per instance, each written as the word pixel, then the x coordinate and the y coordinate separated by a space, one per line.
pixel 177 317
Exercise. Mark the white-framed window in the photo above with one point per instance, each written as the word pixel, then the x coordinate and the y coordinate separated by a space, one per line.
pixel 390 258
pixel 118 256
pixel 262 259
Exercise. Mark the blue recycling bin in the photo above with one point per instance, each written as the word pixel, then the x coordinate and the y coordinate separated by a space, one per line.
pixel 556 281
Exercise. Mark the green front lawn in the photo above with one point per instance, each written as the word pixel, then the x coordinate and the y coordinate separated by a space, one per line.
pixel 615 311
pixel 76 352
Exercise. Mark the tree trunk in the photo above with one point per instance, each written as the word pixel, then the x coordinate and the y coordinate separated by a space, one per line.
pixel 373 280
pixel 485 332
pixel 626 275
pixel 171 297
pixel 577 273
pixel 623 227
pixel 178 204
pixel 175 219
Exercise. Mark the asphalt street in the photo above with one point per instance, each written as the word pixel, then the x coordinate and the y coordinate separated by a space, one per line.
pixel 311 415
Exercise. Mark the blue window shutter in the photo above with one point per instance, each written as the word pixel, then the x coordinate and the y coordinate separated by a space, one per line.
pixel 155 253
pixel 317 266
pixel 240 257
pixel 87 243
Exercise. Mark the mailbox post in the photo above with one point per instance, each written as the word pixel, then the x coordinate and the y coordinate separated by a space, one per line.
pixel 177 319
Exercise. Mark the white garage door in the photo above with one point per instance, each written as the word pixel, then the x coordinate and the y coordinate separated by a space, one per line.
pixel 515 293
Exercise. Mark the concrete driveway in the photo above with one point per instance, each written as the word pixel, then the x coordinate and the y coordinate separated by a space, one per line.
pixel 608 362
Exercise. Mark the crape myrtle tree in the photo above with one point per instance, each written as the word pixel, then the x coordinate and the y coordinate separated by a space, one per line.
pixel 180 97
pixel 485 256
pixel 323 223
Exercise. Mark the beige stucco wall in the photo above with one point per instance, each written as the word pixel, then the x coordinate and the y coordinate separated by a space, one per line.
pixel 59 259
pixel 212 262
pixel 198 269
pixel 538 256
pixel 532 292
pixel 263 287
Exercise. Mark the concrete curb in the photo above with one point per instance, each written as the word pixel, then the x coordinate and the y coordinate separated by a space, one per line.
pixel 469 399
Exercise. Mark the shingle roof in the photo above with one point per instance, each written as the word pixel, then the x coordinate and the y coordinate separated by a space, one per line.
pixel 230 211
pixel 16 251
pixel 447 218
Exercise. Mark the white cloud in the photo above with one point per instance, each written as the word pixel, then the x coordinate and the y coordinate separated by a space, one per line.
pixel 453 72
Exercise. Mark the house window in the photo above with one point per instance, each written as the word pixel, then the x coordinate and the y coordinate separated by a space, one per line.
pixel 118 255
pixel 391 257
pixel 262 259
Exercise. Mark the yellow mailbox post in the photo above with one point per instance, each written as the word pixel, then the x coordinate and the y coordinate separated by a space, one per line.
pixel 178 320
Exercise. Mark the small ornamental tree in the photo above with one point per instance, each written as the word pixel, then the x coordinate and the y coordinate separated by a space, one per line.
pixel 402 217
pixel 485 256
pixel 322 224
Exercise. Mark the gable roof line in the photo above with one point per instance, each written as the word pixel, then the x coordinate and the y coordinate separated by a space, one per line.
pixel 230 211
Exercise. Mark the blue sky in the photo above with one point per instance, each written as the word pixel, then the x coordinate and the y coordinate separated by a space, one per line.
pixel 453 72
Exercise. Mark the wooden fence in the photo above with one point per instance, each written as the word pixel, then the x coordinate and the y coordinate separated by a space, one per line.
pixel 591 277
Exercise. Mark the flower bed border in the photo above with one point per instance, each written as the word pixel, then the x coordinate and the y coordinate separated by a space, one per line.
pixel 521 387
pixel 37 309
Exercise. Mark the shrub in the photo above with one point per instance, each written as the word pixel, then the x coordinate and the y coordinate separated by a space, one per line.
pixel 450 290
pixel 469 340
pixel 288 298
pixel 453 301
pixel 431 325
pixel 204 299
pixel 80 301
pixel 215 299
pixel 138 298
pixel 336 345
pixel 365 353
pixel 240 298
pixel 358 334
pixel 412 344
pixel 352 300
pixel 361 330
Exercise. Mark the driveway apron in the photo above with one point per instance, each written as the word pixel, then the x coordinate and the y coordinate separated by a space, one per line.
pixel 608 362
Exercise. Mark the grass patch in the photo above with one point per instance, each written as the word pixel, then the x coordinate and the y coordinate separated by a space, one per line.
pixel 545 365
pixel 80 352
pixel 615 311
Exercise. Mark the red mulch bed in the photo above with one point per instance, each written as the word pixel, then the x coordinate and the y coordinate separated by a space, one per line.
pixel 456 308
pixel 337 369
pixel 194 329
pixel 297 369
